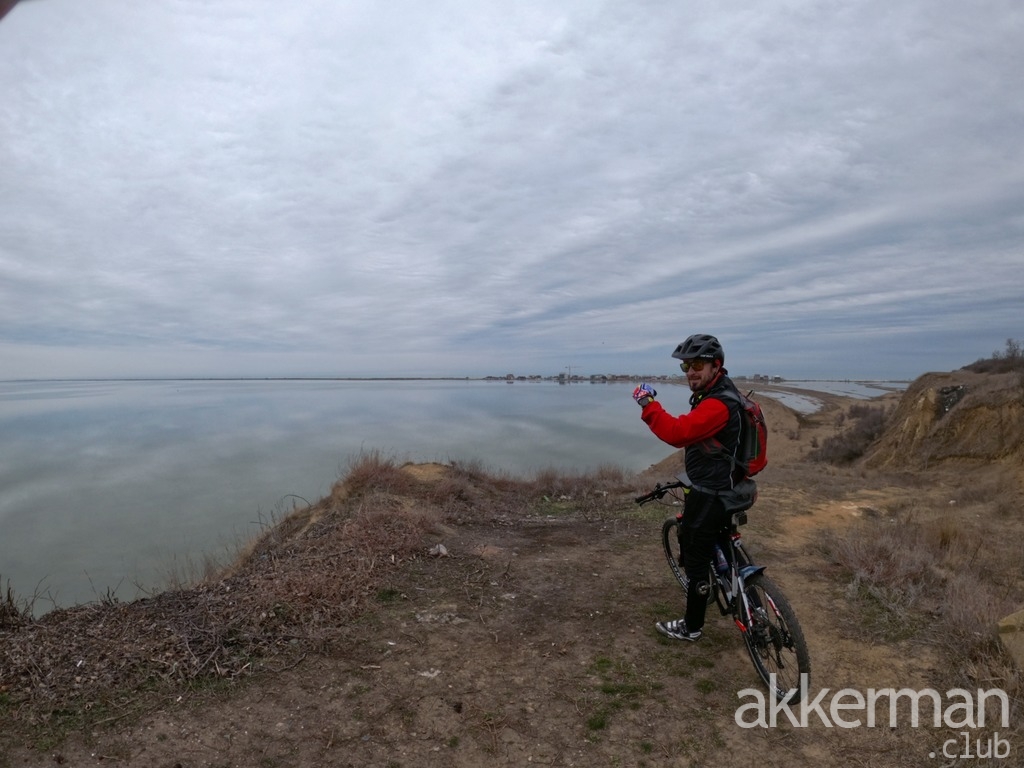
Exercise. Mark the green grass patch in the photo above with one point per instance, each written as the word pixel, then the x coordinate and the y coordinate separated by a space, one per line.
pixel 706 686
pixel 599 720
pixel 388 595
pixel 620 685
pixel 699 661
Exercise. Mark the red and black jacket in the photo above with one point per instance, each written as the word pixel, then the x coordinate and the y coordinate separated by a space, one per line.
pixel 710 432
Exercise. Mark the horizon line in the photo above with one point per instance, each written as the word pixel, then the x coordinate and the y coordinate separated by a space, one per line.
pixel 488 377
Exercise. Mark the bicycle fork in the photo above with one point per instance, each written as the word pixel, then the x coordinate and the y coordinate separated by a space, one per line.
pixel 743 614
pixel 761 628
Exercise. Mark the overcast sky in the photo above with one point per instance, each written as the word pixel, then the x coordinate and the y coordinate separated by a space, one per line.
pixel 467 187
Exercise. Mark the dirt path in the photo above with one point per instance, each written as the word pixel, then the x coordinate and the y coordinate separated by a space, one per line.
pixel 533 644
pixel 527 646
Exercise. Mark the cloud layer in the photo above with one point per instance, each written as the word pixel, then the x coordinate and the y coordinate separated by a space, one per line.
pixel 461 188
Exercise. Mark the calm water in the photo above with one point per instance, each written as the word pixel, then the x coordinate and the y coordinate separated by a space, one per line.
pixel 117 485
pixel 113 486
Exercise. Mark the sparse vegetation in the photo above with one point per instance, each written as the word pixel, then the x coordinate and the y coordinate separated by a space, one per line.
pixel 852 442
pixel 622 686
pixel 14 612
pixel 284 598
pixel 1009 360
pixel 945 580
pixel 372 473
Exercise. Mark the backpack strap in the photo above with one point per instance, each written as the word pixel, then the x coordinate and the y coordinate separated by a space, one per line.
pixel 715 449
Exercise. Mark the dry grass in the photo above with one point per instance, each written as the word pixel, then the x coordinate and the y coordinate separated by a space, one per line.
pixel 944 577
pixel 1010 359
pixel 14 612
pixel 945 580
pixel 373 473
pixel 293 591
pixel 868 424
pixel 591 494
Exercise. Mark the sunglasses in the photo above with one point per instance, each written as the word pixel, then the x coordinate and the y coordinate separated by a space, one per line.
pixel 697 365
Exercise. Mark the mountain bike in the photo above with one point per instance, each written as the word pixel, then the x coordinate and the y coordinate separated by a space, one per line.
pixel 741 589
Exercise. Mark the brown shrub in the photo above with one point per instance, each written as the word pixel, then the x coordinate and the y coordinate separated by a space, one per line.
pixel 370 471
pixel 946 581
pixel 852 443
pixel 1009 360
pixel 14 613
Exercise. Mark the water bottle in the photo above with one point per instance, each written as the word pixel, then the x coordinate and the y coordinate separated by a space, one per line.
pixel 721 564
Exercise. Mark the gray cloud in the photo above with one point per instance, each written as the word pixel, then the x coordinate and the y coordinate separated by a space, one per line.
pixel 266 189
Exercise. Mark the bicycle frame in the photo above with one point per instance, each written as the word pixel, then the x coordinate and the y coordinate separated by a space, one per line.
pixel 761 612
pixel 741 569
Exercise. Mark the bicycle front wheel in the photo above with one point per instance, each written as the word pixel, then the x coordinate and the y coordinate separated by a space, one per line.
pixel 774 639
pixel 673 552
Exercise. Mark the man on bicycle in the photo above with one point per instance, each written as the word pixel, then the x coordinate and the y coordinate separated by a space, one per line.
pixel 710 433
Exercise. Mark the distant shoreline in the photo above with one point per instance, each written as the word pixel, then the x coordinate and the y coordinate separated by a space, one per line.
pixel 576 379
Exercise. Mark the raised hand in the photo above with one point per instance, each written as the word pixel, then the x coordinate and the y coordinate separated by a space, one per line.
pixel 644 394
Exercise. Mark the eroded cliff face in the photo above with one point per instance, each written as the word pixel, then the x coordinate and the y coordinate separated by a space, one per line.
pixel 960 416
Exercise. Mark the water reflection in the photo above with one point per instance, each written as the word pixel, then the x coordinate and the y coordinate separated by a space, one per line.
pixel 112 485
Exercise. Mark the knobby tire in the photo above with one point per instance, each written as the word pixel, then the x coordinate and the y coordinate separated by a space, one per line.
pixel 670 541
pixel 774 639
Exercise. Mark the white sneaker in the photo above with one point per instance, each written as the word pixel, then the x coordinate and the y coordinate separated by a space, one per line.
pixel 677 630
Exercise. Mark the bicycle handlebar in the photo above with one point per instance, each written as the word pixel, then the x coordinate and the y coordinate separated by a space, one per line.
pixel 659 491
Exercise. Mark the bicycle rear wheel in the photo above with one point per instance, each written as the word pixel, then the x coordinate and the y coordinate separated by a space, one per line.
pixel 774 639
pixel 673 552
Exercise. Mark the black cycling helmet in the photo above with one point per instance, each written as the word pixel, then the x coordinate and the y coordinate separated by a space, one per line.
pixel 700 346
